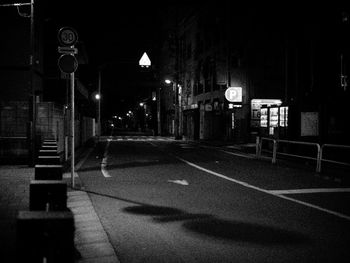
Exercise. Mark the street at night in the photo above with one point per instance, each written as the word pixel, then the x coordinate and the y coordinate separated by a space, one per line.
pixel 174 131
pixel 161 200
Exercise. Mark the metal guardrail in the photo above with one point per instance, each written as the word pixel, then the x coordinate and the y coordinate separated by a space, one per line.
pixel 327 145
pixel 320 151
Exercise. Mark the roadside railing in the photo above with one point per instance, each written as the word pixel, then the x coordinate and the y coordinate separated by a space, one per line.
pixel 336 146
pixel 319 154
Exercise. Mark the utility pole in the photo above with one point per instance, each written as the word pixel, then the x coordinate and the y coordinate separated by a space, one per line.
pixel 32 88
pixel 99 105
pixel 177 133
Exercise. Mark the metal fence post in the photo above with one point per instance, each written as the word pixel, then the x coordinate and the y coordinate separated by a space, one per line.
pixel 274 153
pixel 319 158
pixel 258 147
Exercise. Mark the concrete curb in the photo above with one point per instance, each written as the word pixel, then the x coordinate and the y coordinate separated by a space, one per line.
pixel 90 238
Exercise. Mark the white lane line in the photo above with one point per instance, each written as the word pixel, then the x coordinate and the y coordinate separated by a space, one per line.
pixel 181 182
pixel 264 190
pixel 310 191
pixel 104 160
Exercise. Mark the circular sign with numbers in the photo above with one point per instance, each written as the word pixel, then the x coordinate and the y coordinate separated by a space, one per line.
pixel 67 36
pixel 67 63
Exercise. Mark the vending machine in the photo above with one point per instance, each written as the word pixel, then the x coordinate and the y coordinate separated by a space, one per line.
pixel 274 121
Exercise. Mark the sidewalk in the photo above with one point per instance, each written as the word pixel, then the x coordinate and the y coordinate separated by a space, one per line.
pixel 91 240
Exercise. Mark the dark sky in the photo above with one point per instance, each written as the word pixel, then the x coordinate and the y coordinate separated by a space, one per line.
pixel 114 33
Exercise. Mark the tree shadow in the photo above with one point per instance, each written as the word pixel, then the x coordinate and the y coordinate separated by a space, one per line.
pixel 163 214
pixel 214 227
pixel 211 226
pixel 244 232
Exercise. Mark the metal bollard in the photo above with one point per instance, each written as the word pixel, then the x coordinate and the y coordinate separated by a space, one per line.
pixel 48 195
pixel 48 172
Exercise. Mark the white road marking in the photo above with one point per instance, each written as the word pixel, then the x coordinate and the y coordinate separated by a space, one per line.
pixel 346 217
pixel 310 191
pixel 181 182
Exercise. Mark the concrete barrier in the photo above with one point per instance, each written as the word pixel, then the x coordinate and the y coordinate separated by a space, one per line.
pixel 49 143
pixel 49 147
pixel 48 152
pixel 45 236
pixel 47 159
pixel 48 172
pixel 48 195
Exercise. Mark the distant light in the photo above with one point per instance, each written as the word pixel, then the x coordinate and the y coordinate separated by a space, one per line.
pixel 97 96
pixel 267 102
pixel 167 81
pixel 114 117
pixel 145 61
pixel 119 118
pixel 130 112
pixel 141 104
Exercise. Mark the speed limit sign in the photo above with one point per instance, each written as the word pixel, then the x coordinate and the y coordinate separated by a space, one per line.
pixel 67 36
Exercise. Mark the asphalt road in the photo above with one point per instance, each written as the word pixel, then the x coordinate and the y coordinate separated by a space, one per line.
pixel 171 201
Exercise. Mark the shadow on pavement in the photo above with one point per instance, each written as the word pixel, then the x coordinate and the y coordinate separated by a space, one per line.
pixel 244 232
pixel 209 225
pixel 163 214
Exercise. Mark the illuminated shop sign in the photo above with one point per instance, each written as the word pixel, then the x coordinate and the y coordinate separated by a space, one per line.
pixel 256 104
pixel 234 94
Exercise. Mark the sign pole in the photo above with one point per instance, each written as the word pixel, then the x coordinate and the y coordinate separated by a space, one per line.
pixel 68 64
pixel 72 128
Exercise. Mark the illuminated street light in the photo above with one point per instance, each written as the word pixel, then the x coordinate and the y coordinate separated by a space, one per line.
pixel 145 62
pixel 167 81
pixel 97 96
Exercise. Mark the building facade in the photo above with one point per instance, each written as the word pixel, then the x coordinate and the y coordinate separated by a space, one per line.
pixel 288 70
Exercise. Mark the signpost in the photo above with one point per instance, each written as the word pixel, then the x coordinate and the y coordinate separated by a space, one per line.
pixel 68 64
pixel 67 36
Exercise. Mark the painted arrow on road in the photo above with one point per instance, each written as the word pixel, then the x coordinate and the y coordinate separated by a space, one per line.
pixel 181 182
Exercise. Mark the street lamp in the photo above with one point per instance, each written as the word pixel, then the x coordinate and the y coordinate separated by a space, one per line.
pixel 177 121
pixel 98 99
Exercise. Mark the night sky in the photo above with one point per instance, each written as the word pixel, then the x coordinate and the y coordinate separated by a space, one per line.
pixel 115 35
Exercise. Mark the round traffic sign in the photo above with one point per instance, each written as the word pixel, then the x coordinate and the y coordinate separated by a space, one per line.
pixel 67 63
pixel 67 36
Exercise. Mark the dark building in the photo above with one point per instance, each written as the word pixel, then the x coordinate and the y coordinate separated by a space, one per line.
pixel 33 92
pixel 287 66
